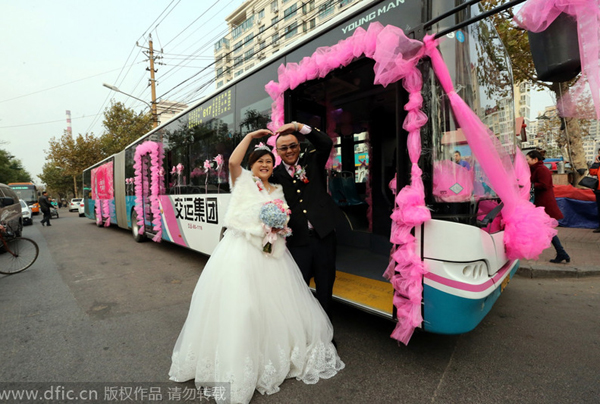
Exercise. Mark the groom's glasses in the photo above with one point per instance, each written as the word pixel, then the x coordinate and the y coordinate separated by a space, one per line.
pixel 291 147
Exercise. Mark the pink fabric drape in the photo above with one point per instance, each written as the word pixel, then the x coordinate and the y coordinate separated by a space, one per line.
pixel 537 15
pixel 149 191
pixel 528 230
pixel 395 58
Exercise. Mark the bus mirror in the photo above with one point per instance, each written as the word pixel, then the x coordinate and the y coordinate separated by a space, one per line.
pixel 555 51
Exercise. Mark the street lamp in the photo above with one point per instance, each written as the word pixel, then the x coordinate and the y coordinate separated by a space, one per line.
pixel 152 107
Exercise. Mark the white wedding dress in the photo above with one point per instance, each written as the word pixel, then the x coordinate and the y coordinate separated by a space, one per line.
pixel 253 322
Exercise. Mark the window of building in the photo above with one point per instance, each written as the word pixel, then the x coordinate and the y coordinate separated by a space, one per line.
pixel 261 14
pixel 243 27
pixel 261 29
pixel 248 55
pixel 291 30
pixel 274 6
pixel 237 47
pixel 219 83
pixel 308 7
pixel 219 72
pixel 308 25
pixel 344 3
pixel 262 45
pixel 239 73
pixel 248 40
pixel 275 38
pixel 289 12
pixel 326 8
pixel 238 61
pixel 274 21
pixel 222 43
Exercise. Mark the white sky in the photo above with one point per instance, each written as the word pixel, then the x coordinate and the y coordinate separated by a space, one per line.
pixel 57 54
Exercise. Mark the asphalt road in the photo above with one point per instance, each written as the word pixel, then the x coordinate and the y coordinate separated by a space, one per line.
pixel 98 307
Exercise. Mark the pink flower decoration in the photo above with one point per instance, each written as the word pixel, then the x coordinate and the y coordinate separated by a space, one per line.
pixel 219 160
pixel 179 168
pixel 196 172
pixel 207 165
pixel 173 170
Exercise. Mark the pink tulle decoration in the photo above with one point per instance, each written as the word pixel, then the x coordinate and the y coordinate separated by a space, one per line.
pixel 219 160
pixel 523 173
pixel 528 231
pixel 106 208
pixel 151 191
pixel 537 15
pixel 395 58
pixel 207 166
pixel 518 213
pixel 452 182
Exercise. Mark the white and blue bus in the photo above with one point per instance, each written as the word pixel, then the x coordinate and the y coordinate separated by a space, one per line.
pixel 174 180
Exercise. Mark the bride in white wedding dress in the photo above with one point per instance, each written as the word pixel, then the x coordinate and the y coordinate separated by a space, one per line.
pixel 252 320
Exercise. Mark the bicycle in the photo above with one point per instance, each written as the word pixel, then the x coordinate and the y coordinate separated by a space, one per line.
pixel 16 253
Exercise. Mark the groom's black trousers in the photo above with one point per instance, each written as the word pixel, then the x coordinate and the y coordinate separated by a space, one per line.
pixel 317 260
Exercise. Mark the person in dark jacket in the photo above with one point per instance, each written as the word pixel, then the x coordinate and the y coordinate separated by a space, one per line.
pixel 541 180
pixel 313 241
pixel 45 205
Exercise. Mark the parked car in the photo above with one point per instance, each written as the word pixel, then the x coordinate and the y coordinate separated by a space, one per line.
pixel 26 212
pixel 74 205
pixel 82 208
pixel 10 209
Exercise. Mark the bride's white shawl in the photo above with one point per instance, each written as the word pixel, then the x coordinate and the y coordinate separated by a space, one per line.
pixel 243 212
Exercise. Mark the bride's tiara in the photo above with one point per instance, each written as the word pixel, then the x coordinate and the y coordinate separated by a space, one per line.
pixel 262 146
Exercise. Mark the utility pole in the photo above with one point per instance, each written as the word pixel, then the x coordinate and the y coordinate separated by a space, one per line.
pixel 150 54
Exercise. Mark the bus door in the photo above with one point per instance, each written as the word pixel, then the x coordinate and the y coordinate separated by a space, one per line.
pixel 361 119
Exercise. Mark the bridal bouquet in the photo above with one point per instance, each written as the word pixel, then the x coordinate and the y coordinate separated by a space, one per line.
pixel 274 216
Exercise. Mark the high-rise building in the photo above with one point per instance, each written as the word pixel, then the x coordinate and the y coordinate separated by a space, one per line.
pixel 260 28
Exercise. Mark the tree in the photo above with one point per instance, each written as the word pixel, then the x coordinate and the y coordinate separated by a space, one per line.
pixel 123 126
pixel 516 41
pixel 73 154
pixel 56 179
pixel 11 169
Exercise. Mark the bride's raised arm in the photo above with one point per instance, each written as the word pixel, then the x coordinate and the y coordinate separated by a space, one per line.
pixel 236 158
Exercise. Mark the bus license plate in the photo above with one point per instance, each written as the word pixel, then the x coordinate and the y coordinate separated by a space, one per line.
pixel 504 283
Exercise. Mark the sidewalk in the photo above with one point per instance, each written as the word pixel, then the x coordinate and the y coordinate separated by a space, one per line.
pixel 581 244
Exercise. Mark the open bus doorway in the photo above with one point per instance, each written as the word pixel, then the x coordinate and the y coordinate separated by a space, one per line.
pixel 361 119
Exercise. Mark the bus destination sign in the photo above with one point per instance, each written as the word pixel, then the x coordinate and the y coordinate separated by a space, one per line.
pixel 219 105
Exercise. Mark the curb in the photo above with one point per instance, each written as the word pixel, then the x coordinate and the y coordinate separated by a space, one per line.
pixel 566 272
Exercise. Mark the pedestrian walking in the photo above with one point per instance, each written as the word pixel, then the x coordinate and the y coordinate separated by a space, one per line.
pixel 45 205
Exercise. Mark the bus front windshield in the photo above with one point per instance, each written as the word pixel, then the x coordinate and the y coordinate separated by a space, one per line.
pixel 25 193
pixel 480 70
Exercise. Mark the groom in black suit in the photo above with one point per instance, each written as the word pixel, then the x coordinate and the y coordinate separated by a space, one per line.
pixel 313 240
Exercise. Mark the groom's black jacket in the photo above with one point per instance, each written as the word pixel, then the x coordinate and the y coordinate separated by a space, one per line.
pixel 309 201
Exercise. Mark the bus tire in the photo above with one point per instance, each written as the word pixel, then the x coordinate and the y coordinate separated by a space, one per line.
pixel 135 228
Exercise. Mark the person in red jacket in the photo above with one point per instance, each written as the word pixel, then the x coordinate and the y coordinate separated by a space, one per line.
pixel 541 180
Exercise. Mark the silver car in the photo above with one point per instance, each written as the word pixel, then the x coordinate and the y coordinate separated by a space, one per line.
pixel 26 212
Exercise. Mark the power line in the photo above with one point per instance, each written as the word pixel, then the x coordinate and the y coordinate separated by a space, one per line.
pixel 57 86
pixel 43 123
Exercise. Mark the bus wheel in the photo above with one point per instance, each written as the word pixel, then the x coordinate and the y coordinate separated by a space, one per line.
pixel 135 228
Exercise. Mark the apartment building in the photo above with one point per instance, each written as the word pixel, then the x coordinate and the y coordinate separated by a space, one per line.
pixel 260 28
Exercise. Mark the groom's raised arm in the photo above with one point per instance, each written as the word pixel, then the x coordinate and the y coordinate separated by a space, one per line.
pixel 322 144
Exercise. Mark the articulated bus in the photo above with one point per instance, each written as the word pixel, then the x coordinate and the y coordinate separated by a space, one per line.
pixel 176 176
pixel 28 192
